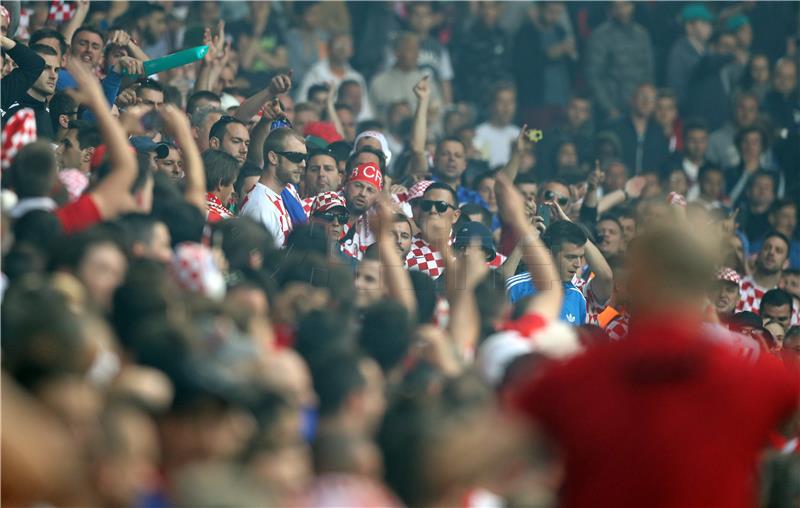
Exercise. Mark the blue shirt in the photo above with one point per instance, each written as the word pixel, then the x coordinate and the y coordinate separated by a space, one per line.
pixel 794 251
pixel 466 195
pixel 573 309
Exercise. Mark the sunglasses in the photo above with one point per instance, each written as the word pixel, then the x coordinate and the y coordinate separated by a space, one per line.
pixel 551 196
pixel 342 217
pixel 296 157
pixel 441 206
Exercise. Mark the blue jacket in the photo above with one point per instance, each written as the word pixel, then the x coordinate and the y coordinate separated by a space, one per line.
pixel 573 309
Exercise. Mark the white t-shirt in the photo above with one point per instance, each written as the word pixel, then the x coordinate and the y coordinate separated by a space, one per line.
pixel 495 142
pixel 263 205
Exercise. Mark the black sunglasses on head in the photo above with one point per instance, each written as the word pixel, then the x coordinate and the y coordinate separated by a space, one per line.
pixel 296 157
pixel 551 196
pixel 342 217
pixel 441 206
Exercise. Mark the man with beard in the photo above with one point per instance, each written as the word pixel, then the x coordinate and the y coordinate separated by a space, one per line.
pixel 772 259
pixel 724 294
pixel 231 136
pixel 609 234
pixel 31 84
pixel 449 163
pixel 361 193
pixel 322 174
pixel 284 160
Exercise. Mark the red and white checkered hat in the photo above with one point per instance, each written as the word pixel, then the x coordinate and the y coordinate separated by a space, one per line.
pixel 61 10
pixel 327 200
pixel 418 189
pixel 728 274
pixel 18 132
pixel 74 182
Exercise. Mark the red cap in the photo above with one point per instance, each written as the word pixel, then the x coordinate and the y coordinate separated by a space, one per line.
pixel 369 173
pixel 327 200
pixel 324 130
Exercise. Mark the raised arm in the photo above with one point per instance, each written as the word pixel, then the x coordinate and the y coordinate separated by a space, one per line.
pixel 111 196
pixel 250 107
pixel 177 125
pixel 330 108
pixel 538 260
pixel 419 134
pixel 68 29
pixel 398 282
pixel 512 166
pixel 633 189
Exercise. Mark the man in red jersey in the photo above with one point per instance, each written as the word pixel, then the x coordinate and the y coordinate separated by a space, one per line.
pixel 668 417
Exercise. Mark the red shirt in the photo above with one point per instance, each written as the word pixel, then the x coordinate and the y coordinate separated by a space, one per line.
pixel 79 215
pixel 216 210
pixel 664 419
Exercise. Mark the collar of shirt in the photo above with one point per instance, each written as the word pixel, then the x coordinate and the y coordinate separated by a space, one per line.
pixel 26 205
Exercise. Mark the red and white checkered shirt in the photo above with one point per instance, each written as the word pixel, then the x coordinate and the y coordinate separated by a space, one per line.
pixel 424 258
pixel 216 210
pixel 593 304
pixel 18 132
pixel 617 328
pixel 750 295
pixel 263 205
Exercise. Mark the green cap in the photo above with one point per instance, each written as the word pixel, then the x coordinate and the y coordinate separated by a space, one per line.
pixel 736 22
pixel 695 12
pixel 316 142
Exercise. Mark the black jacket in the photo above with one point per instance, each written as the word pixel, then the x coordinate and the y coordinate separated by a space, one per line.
pixel 15 89
pixel 649 154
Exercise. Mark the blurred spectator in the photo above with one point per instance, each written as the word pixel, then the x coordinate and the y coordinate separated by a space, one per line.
pixel 644 145
pixel 666 115
pixel 756 78
pixel 493 138
pixel 722 148
pixel 693 158
pixel 619 58
pixel 783 217
pixel 432 55
pixel 306 43
pixel 687 51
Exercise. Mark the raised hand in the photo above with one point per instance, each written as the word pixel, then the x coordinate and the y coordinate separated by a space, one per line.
pixel 131 118
pixel 523 139
pixel 119 38
pixel 281 83
pixel 175 121
pixel 422 90
pixel 510 202
pixel 635 185
pixel 380 222
pixel 88 92
pixel 596 177
pixel 130 65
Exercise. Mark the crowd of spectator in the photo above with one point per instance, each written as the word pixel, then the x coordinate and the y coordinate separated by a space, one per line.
pixel 389 253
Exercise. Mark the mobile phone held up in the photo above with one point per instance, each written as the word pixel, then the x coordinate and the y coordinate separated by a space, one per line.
pixel 545 211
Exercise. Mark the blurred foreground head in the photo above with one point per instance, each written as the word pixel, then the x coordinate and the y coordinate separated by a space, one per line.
pixel 670 270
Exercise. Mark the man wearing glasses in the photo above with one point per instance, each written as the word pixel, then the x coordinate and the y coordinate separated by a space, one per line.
pixel 330 211
pixel 284 164
pixel 437 210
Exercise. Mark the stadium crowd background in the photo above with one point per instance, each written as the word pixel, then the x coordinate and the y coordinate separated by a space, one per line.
pixel 388 253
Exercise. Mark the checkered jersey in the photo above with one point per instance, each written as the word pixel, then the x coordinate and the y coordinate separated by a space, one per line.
pixel 307 202
pixel 18 132
pixel 617 328
pixel 593 304
pixel 423 258
pixel 61 10
pixel 750 295
pixel 263 205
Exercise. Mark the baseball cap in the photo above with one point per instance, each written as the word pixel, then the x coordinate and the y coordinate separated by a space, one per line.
pixel 472 230
pixel 145 144
pixel 735 22
pixel 695 12
pixel 324 130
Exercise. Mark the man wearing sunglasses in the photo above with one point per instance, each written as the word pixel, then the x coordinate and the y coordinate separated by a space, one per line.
pixel 329 210
pixel 437 209
pixel 361 193
pixel 284 164
pixel 555 190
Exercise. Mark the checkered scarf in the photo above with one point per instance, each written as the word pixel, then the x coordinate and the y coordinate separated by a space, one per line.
pixel 18 132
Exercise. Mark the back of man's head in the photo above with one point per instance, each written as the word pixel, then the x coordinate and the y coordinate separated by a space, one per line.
pixel 33 170
pixel 562 232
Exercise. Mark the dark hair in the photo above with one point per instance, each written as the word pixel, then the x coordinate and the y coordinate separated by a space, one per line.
pixel 39 228
pixel 61 104
pixel 112 47
pixel 196 97
pixel 481 177
pixel 562 232
pixel 780 204
pixel 468 209
pixel 449 139
pixel 89 136
pixel 87 28
pixel 219 128
pixel 221 167
pixel 366 149
pixel 528 177
pixel 386 333
pixel 778 234
pixel 184 221
pixel 745 319
pixel 444 187
pixel 148 83
pixel 138 227
pixel 694 124
pixel 335 380
pixel 33 170
pixel 776 298
pixel 761 174
pixel 342 106
pixel 241 239
pixel 708 168
pixel 44 50
pixel 248 169
pixel 315 89
pixel 75 247
pixel 344 84
pixel 369 125
pixel 739 138
pixel 48 33
pixel 610 217
pixel 338 337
